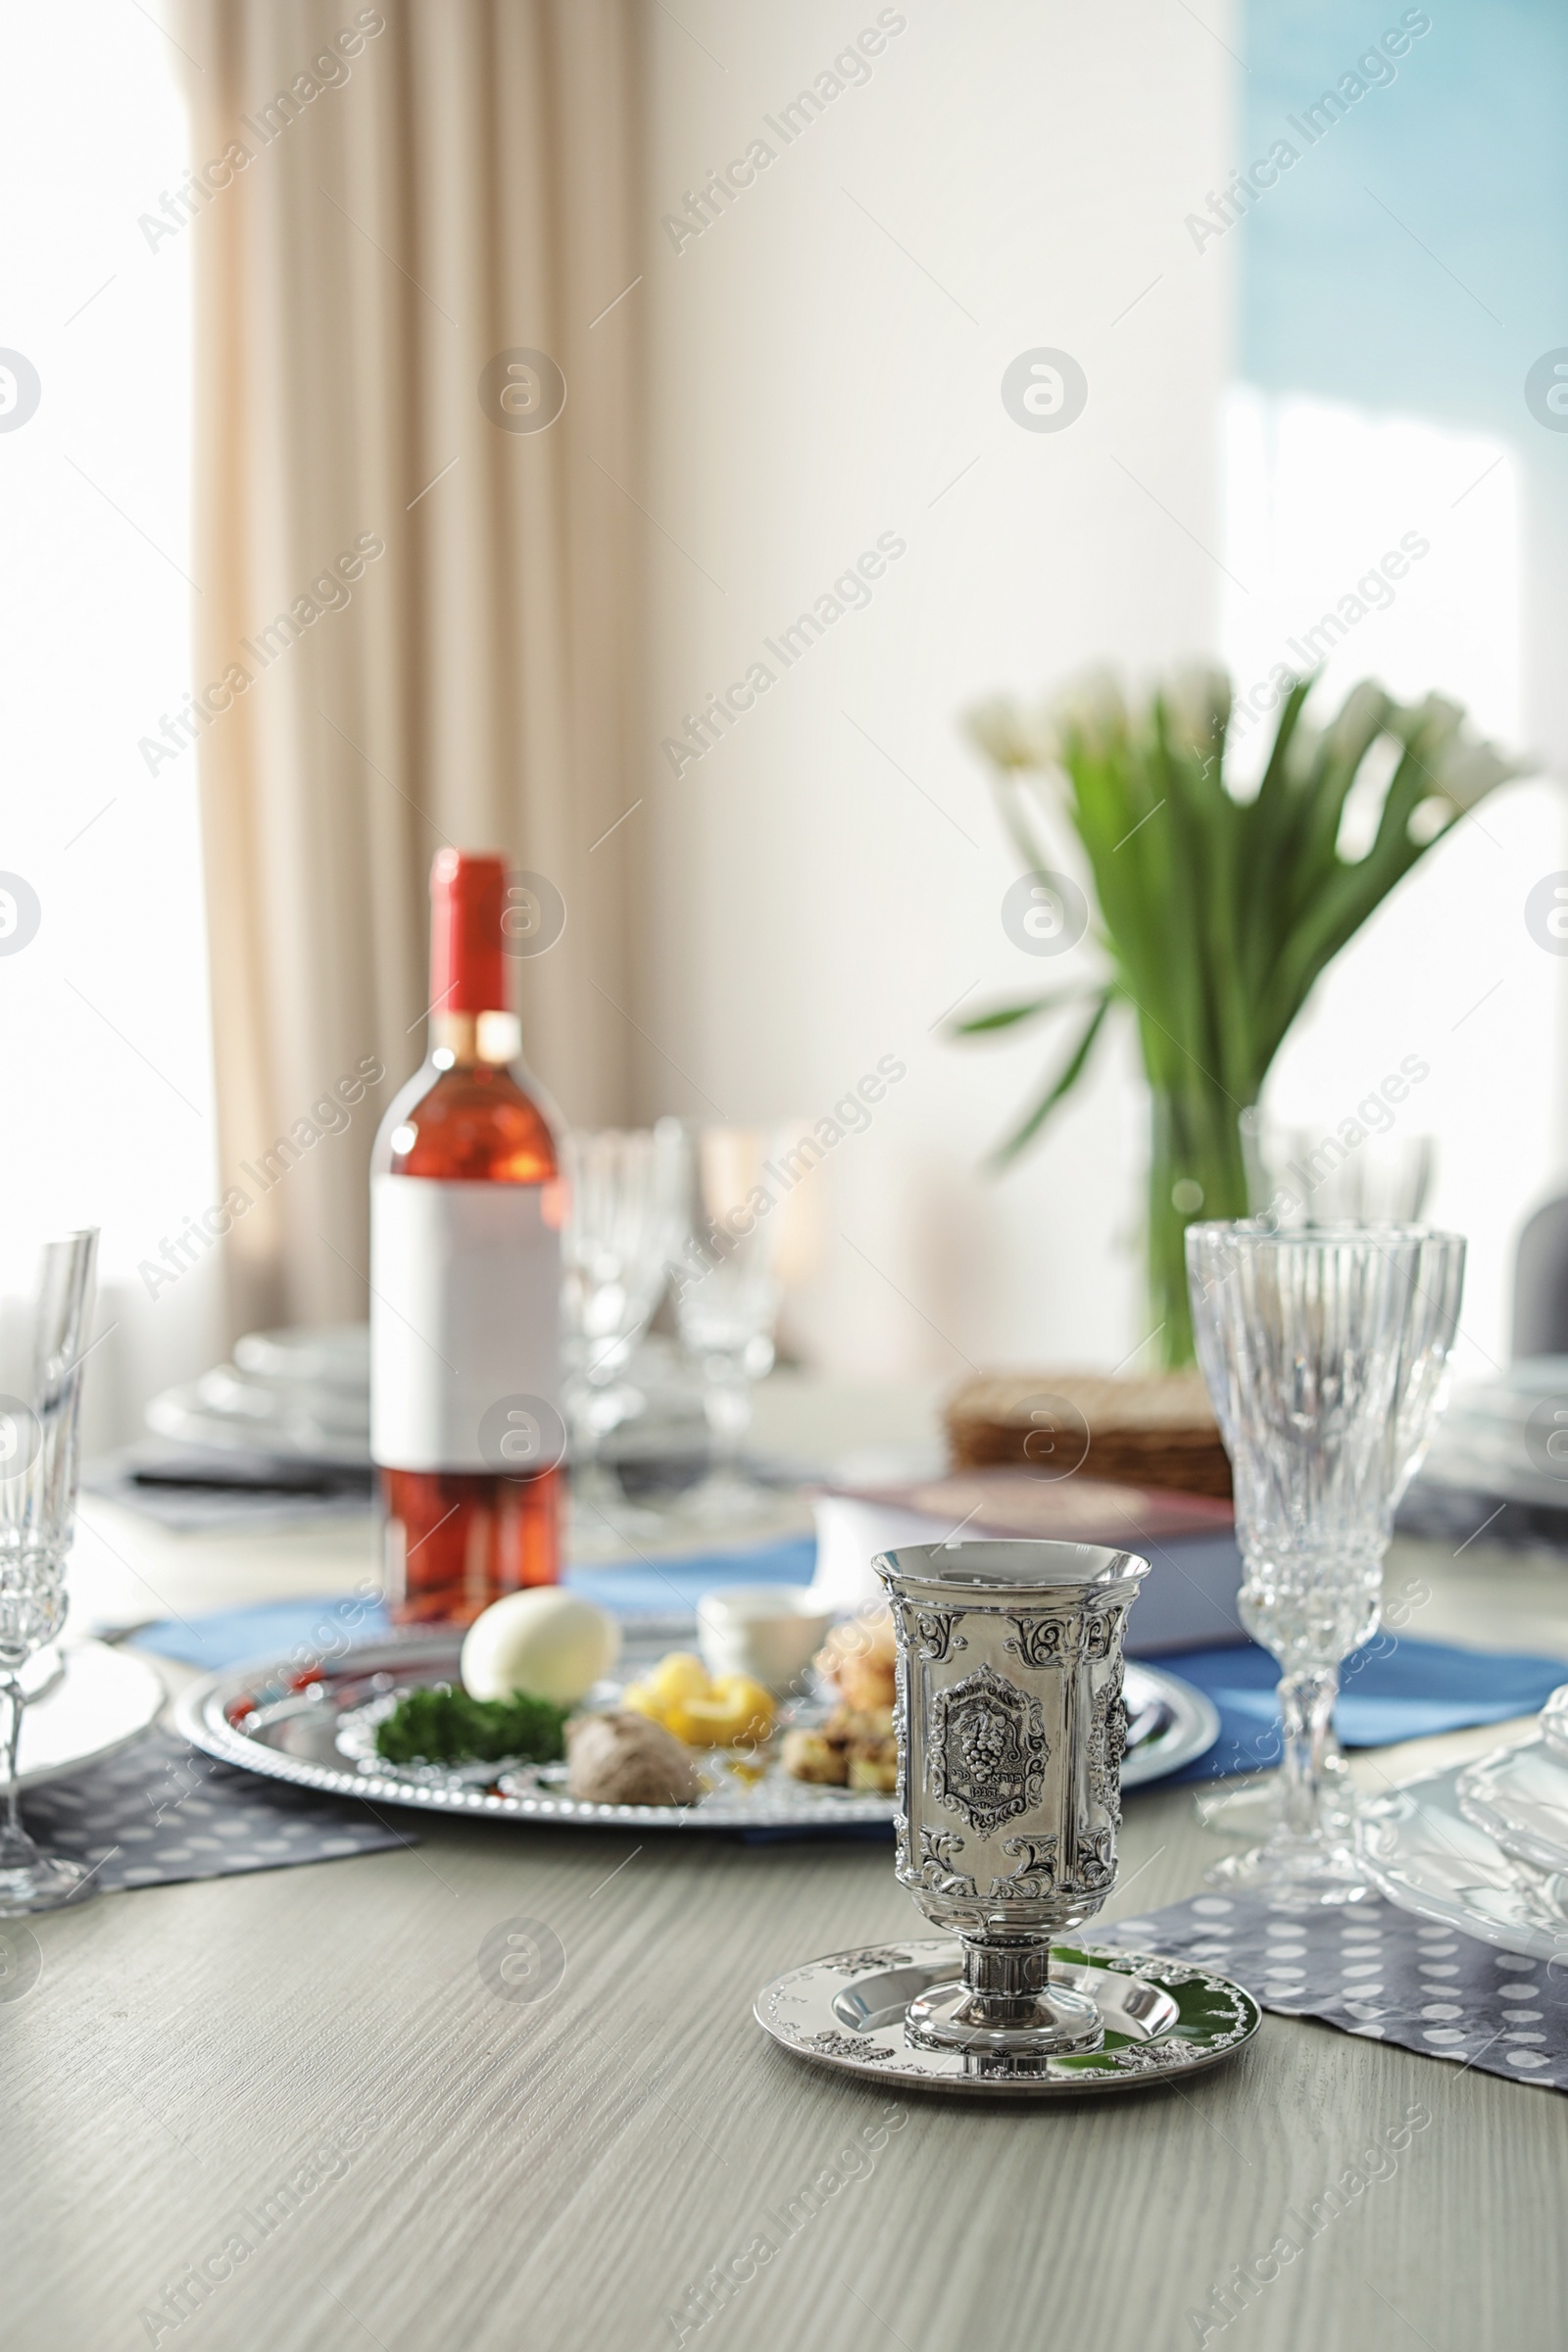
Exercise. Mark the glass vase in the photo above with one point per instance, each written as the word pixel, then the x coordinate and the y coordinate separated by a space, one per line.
pixel 1195 1169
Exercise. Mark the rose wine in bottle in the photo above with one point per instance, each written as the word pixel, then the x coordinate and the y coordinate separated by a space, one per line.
pixel 465 1214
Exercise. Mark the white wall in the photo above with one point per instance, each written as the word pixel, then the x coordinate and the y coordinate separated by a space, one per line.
pixel 818 377
pixel 104 1013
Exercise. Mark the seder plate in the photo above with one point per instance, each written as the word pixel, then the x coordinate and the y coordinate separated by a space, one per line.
pixel 1418 1849
pixel 317 1729
pixel 1164 2020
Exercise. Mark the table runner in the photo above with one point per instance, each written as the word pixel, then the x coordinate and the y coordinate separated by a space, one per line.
pixel 1370 1969
pixel 159 1812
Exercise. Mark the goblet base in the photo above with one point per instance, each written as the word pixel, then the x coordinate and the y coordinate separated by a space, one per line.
pixel 1048 2024
pixel 601 1519
pixel 1005 2006
pixel 1296 1874
pixel 43 1883
pixel 1255 1806
pixel 724 1495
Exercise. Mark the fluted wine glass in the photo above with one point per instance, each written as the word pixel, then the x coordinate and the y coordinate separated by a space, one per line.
pixel 1326 1353
pixel 1315 1175
pixel 46 1301
pixel 728 1288
pixel 627 1214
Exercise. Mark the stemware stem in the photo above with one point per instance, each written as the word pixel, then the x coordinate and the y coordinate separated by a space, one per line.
pixel 727 1410
pixel 1306 1708
pixel 16 1847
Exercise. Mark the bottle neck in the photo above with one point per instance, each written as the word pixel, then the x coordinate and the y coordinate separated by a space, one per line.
pixel 468 978
pixel 466 1040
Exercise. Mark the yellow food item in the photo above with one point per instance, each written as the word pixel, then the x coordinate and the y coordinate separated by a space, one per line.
pixel 677 1693
pixel 678 1675
pixel 734 1709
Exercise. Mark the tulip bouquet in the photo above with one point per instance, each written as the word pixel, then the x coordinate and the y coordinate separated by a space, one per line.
pixel 1217 910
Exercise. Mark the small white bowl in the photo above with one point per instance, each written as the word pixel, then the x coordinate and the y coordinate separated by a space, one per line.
pixel 771 1632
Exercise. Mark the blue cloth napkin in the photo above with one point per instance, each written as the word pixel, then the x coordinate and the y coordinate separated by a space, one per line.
pixel 651 1589
pixel 662 1588
pixel 1393 1688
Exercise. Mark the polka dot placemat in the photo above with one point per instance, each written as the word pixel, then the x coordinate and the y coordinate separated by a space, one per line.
pixel 162 1811
pixel 1379 1972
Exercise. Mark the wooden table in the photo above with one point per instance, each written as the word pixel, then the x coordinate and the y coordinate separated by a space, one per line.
pixel 306 2067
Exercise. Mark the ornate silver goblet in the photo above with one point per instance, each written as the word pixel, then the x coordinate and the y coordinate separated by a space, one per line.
pixel 1011 1728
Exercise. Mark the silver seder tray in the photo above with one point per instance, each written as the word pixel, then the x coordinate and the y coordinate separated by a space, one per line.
pixel 316 1728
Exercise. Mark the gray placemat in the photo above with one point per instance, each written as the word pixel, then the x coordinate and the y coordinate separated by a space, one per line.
pixel 161 1811
pixel 1373 1970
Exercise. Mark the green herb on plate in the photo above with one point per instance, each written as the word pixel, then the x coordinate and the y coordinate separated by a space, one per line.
pixel 444 1726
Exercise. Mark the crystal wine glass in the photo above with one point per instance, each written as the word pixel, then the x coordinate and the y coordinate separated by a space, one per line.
pixel 46 1301
pixel 1326 1352
pixel 1258 1805
pixel 626 1221
pixel 1320 1175
pixel 727 1291
pixel 1317 1175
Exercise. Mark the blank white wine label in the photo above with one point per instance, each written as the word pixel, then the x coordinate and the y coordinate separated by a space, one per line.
pixel 464 1319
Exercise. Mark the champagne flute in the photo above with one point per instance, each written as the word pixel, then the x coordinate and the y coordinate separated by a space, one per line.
pixel 728 1291
pixel 624 1222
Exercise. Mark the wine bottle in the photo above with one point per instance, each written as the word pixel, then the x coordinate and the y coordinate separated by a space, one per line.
pixel 465 1215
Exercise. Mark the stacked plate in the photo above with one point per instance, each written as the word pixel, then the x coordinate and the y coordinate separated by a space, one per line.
pixel 1508 1436
pixel 301 1395
pixel 1484 1848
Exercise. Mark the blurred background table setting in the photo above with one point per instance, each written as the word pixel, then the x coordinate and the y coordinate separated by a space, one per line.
pixel 784 1287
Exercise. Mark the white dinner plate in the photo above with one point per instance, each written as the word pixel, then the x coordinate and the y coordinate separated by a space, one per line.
pixel 103 1699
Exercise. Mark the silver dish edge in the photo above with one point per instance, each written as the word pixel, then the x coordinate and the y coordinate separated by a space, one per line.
pixel 931 2071
pixel 200 1715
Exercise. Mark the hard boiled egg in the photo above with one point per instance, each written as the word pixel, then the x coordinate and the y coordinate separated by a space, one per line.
pixel 552 1643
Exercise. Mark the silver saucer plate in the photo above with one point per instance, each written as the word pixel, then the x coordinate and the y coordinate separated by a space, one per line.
pixel 316 1728
pixel 1163 2019
pixel 1418 1849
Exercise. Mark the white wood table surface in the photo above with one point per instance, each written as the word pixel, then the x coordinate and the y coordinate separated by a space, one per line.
pixel 286 2110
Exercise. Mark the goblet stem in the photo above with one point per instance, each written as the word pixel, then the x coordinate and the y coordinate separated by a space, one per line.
pixel 1309 1859
pixel 727 1408
pixel 29 1880
pixel 1306 1708
pixel 16 1847
pixel 726 1491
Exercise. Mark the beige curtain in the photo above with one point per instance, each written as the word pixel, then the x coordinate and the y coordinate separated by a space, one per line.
pixel 416 621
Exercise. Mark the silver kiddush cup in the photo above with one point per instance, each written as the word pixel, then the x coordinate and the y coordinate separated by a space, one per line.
pixel 1011 1729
